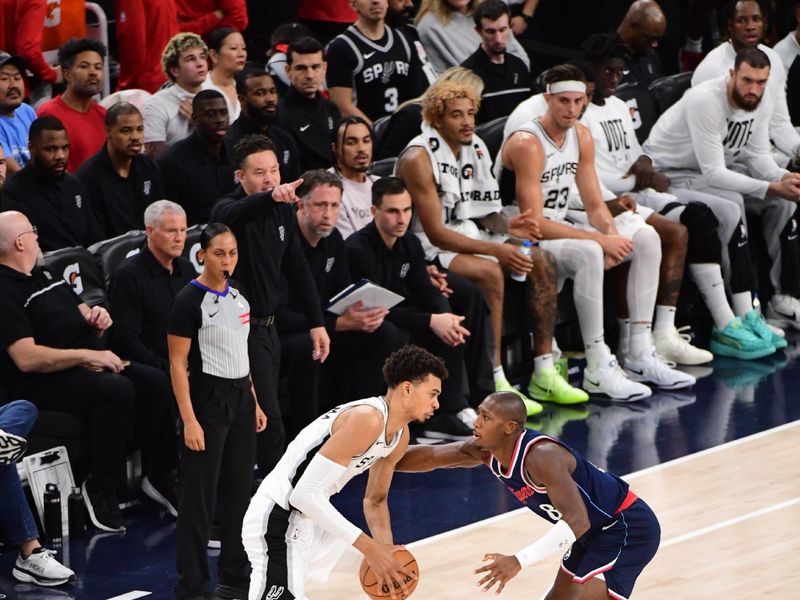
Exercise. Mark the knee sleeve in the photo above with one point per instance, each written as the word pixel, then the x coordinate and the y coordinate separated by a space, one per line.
pixel 704 245
pixel 742 276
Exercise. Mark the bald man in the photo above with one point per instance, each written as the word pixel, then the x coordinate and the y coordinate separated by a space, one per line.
pixel 51 340
pixel 642 29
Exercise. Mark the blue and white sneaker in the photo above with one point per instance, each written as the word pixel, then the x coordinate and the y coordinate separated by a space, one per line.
pixel 758 325
pixel 737 340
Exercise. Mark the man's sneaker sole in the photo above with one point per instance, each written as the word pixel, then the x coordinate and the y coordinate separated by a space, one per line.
pixel 24 576
pixel 719 349
pixel 541 395
pixel 12 447
pixel 783 321
pixel 151 492
pixel 633 376
pixel 596 395
pixel 92 517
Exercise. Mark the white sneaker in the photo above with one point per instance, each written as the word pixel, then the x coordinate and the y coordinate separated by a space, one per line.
pixel 676 347
pixel 41 568
pixel 784 311
pixel 607 380
pixel 651 367
pixel 467 416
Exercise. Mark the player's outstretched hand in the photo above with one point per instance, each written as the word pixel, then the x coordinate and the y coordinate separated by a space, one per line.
pixel 388 569
pixel 499 571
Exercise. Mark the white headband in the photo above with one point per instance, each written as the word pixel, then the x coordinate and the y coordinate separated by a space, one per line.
pixel 560 87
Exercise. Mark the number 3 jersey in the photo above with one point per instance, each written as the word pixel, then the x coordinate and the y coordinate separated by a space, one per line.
pixel 603 494
pixel 280 482
pixel 382 73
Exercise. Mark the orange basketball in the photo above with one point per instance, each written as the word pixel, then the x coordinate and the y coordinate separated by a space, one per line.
pixel 375 591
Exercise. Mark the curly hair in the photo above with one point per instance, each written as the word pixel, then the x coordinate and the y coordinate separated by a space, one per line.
pixel 69 51
pixel 180 42
pixel 412 363
pixel 440 93
pixel 604 46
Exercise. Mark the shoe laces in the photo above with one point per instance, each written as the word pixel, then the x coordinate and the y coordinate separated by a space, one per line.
pixel 685 333
pixel 42 554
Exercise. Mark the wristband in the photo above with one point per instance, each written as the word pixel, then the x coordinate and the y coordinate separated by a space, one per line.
pixel 560 537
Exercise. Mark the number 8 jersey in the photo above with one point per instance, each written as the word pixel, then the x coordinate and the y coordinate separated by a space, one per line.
pixel 560 166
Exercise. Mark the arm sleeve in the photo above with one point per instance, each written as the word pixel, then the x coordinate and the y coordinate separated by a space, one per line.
pixel 131 38
pixel 435 43
pixel 705 121
pixel 184 317
pixel 341 64
pixel 781 130
pixel 515 48
pixel 126 308
pixel 232 211
pixel 29 24
pixel 340 280
pixel 155 121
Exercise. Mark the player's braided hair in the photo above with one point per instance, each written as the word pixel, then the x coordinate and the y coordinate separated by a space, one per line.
pixel 412 363
pixel 603 46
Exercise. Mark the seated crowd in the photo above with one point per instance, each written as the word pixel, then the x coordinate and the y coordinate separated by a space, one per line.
pixel 282 163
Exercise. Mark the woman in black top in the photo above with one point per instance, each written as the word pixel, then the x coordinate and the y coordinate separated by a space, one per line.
pixel 207 337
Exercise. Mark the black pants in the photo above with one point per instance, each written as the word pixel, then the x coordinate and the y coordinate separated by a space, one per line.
pixel 264 350
pixel 468 300
pixel 224 470
pixel 109 401
pixel 302 374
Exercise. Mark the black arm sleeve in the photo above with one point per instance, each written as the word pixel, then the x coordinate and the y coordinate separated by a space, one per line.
pixel 234 211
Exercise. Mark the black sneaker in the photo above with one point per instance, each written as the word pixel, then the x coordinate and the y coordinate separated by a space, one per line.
pixel 447 426
pixel 103 508
pixel 12 447
pixel 164 493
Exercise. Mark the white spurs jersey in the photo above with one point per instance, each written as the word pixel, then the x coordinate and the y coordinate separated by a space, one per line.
pixel 280 482
pixel 560 166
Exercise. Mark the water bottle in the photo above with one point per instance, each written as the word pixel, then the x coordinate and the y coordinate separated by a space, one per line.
pixel 76 514
pixel 526 250
pixel 53 525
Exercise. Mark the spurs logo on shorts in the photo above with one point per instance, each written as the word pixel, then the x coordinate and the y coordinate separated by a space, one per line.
pixel 275 592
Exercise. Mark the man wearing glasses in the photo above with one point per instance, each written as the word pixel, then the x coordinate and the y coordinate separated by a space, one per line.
pixel 642 29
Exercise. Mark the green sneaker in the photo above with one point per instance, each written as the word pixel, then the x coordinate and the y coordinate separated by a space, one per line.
pixel 531 406
pixel 550 386
pixel 556 418
pixel 758 326
pixel 737 340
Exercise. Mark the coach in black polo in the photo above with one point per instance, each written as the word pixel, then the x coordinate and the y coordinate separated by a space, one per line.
pixel 196 170
pixel 52 199
pixel 264 223
pixel 144 286
pixel 121 181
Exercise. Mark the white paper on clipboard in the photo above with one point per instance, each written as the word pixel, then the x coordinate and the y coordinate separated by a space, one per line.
pixel 50 466
pixel 366 292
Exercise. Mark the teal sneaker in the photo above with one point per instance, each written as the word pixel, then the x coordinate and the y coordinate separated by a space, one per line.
pixel 550 386
pixel 758 326
pixel 737 340
pixel 531 406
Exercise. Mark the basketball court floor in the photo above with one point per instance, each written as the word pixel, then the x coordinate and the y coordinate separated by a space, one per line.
pixel 718 464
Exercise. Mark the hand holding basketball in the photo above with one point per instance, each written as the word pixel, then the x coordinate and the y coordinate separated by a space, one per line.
pixel 500 570
pixel 391 572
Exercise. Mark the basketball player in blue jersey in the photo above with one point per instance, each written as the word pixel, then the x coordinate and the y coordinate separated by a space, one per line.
pixel 292 532
pixel 608 534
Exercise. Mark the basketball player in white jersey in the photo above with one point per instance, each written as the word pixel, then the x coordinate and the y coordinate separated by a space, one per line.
pixel 716 140
pixel 549 156
pixel 292 531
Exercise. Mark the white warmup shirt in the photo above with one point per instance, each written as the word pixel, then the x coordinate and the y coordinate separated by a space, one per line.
pixel 703 132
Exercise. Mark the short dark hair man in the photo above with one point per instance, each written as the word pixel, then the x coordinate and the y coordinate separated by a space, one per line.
pixel 258 97
pixel 55 201
pixel 505 77
pixel 121 181
pixel 82 64
pixel 642 28
pixel 308 116
pixel 197 170
pixel 269 247
pixel 15 116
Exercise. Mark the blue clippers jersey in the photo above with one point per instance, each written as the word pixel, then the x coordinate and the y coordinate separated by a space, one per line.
pixel 602 493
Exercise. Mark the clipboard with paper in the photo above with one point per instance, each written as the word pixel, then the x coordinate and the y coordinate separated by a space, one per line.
pixel 369 294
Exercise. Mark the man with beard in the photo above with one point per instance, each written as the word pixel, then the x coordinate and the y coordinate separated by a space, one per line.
pixel 15 116
pixel 258 96
pixel 716 140
pixel 82 64
pixel 505 77
pixel 372 68
pixel 401 16
pixel 197 170
pixel 121 181
pixel 55 201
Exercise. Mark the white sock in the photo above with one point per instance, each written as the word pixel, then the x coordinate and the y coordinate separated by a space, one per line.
pixel 641 338
pixel 545 361
pixel 499 374
pixel 624 329
pixel 665 317
pixel 742 303
pixel 693 45
pixel 708 277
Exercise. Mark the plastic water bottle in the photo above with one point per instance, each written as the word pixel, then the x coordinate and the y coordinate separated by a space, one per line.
pixel 525 249
pixel 53 525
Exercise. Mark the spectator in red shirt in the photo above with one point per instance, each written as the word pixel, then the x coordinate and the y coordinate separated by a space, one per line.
pixel 326 19
pixel 82 64
pixel 203 16
pixel 21 28
pixel 143 29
